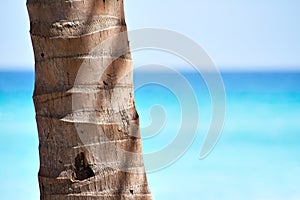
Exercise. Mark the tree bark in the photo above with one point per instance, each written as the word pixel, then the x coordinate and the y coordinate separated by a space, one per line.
pixel 89 141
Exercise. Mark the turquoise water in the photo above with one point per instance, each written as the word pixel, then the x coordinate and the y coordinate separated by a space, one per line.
pixel 257 156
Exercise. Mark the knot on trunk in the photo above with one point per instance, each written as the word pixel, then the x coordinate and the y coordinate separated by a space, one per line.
pixel 82 168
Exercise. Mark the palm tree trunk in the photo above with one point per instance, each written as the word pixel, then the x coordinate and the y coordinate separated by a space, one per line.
pixel 89 140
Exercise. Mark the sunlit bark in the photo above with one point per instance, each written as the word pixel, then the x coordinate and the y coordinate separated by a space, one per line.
pixel 63 34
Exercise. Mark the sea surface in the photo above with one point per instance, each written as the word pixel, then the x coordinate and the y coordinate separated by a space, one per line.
pixel 256 157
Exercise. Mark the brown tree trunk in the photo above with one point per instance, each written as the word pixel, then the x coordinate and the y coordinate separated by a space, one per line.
pixel 90 145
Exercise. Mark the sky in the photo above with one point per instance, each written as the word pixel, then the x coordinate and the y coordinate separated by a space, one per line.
pixel 235 34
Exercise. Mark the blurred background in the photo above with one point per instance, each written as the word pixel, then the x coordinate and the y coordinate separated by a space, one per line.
pixel 256 47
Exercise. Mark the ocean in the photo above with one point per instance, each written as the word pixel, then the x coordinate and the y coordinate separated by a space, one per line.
pixel 256 156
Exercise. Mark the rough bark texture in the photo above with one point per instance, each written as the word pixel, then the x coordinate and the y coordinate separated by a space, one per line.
pixel 82 127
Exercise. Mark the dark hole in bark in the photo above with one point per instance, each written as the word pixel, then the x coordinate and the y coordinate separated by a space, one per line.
pixel 103 1
pixel 82 168
pixel 131 191
pixel 105 83
pixel 42 55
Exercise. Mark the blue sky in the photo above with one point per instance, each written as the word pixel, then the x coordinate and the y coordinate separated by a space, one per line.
pixel 236 34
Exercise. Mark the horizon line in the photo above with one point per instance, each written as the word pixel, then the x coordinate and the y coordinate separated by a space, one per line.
pixel 220 68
